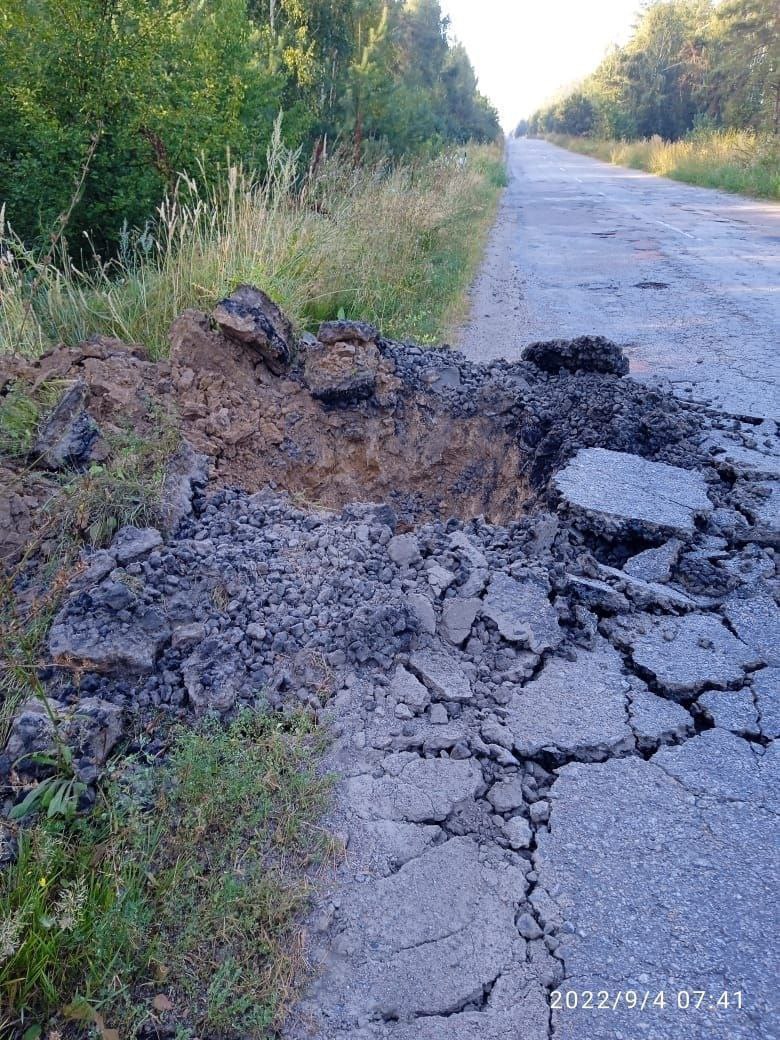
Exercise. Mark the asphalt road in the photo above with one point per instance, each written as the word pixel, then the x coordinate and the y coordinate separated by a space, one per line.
pixel 686 279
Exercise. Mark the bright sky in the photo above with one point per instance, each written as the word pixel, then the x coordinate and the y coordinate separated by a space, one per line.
pixel 524 51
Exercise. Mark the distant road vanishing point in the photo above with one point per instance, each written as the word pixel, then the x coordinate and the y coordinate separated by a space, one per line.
pixel 686 279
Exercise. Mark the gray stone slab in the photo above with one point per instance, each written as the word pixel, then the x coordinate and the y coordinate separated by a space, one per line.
pixel 574 708
pixel 717 764
pixel 656 720
pixel 426 940
pixel 648 593
pixel 686 654
pixel 661 890
pixel 409 690
pixel 523 613
pixel 414 790
pixel 734 455
pixel 622 489
pixel 654 565
pixel 766 687
pixel 517 1010
pixel 100 640
pixel 457 617
pixel 756 620
pixel 595 593
pixel 734 710
pixel 392 843
pixel 442 674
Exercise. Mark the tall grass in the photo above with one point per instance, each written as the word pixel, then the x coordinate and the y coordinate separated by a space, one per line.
pixel 733 160
pixel 393 244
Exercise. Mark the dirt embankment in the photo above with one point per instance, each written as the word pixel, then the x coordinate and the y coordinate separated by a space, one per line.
pixel 353 417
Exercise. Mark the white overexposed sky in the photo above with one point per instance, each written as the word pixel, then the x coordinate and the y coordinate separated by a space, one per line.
pixel 524 51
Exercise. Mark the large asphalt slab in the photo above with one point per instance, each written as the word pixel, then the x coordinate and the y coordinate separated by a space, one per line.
pixel 686 279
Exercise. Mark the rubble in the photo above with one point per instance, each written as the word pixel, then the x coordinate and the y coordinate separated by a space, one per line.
pixel 583 354
pixel 537 622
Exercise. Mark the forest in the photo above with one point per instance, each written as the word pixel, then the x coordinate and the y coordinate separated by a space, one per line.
pixel 690 65
pixel 107 102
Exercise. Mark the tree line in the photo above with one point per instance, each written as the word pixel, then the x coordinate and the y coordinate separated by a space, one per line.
pixel 689 65
pixel 129 93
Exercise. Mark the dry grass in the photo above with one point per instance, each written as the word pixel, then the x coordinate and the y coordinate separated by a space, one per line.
pixel 733 160
pixel 396 245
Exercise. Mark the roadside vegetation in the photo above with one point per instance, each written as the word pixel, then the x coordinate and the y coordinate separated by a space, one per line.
pixel 694 95
pixel 733 160
pixel 164 87
pixel 395 243
pixel 179 899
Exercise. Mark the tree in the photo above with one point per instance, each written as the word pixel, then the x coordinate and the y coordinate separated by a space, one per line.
pixel 687 62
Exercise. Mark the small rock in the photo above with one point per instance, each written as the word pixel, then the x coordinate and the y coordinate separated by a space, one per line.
pixel 423 610
pixel 457 617
pixel 410 691
pixel 68 435
pixel 250 317
pixel 518 832
pixel 507 795
pixel 438 715
pixel 130 543
pixel 342 331
pixel 654 564
pixel 403 549
pixel 540 811
pixel 528 928
pixel 442 674
pixel 523 613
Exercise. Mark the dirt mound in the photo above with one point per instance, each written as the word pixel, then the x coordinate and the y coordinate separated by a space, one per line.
pixel 353 417
pixel 356 417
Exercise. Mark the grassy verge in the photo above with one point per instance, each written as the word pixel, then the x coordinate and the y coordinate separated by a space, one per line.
pixel 736 161
pixel 396 245
pixel 179 900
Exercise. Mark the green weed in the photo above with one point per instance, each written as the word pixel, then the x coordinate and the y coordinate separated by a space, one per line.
pixel 75 919
pixel 182 893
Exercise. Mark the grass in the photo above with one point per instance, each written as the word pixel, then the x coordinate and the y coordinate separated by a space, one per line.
pixel 396 244
pixel 180 897
pixel 733 160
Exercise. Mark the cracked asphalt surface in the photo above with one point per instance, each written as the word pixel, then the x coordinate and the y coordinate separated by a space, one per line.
pixel 554 727
pixel 686 279
pixel 590 852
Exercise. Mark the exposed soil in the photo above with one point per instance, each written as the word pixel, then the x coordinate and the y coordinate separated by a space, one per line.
pixel 436 436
